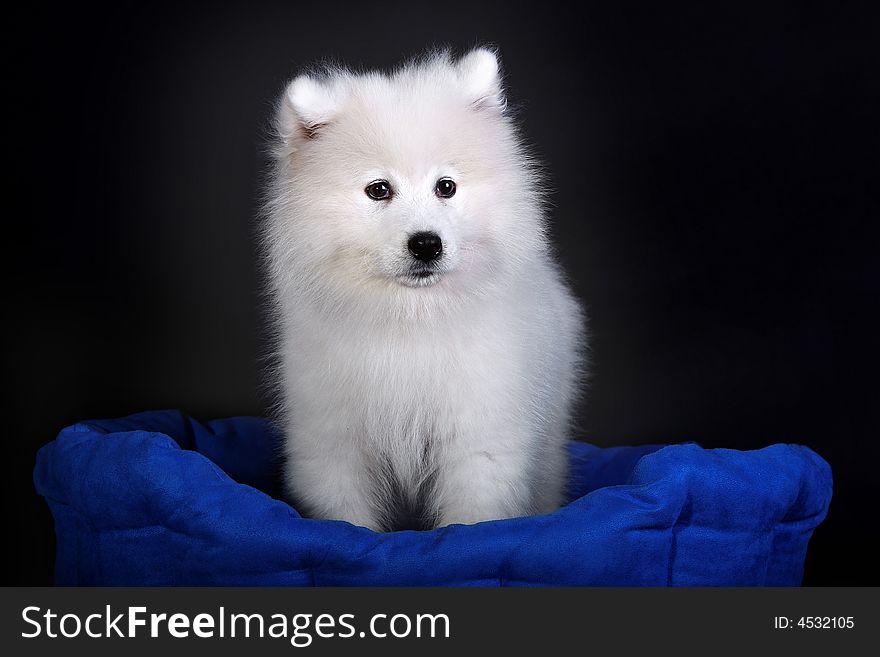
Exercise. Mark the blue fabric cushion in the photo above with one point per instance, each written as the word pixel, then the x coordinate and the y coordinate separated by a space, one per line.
pixel 160 499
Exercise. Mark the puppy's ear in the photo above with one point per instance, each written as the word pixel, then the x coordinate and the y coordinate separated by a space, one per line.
pixel 480 75
pixel 307 105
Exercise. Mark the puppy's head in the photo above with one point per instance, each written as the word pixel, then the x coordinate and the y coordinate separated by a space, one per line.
pixel 413 180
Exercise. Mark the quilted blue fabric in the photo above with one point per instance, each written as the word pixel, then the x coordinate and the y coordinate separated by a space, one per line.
pixel 160 499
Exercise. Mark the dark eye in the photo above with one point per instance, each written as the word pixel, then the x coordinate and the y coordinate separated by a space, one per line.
pixel 445 188
pixel 379 190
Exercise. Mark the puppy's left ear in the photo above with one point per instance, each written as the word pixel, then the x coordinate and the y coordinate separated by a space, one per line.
pixel 480 74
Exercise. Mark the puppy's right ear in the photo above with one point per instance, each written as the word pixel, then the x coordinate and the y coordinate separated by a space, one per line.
pixel 307 105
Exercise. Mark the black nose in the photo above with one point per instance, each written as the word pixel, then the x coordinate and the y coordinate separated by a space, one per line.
pixel 425 246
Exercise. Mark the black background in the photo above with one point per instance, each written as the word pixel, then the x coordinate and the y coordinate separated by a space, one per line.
pixel 715 171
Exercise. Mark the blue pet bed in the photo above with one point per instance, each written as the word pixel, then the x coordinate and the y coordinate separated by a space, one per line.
pixel 160 499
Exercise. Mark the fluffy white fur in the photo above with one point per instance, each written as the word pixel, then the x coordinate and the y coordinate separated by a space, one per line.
pixel 446 397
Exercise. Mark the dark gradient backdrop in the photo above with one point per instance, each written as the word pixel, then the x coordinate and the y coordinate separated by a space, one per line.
pixel 716 177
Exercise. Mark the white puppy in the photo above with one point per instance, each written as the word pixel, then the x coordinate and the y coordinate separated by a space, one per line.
pixel 429 350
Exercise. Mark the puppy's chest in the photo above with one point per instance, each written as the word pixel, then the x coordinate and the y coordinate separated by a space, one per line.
pixel 398 390
pixel 411 375
pixel 410 398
